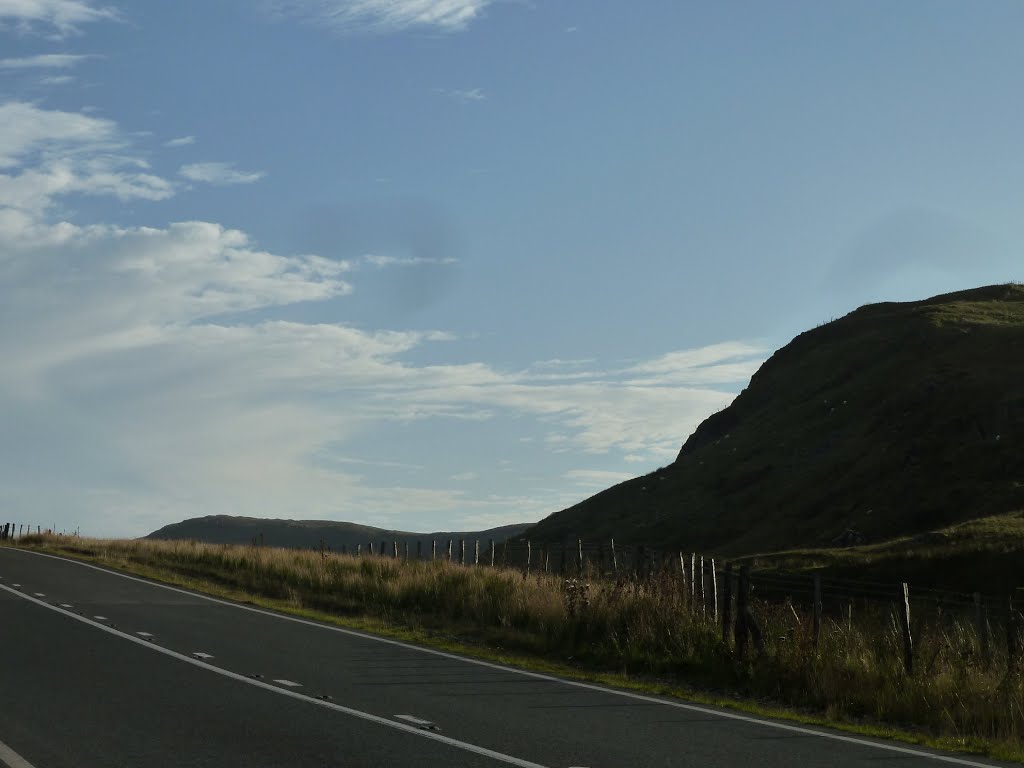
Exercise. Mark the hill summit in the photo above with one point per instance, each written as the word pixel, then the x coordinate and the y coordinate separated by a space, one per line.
pixel 895 419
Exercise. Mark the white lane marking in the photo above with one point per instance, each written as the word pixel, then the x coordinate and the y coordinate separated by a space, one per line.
pixel 414 720
pixel 704 710
pixel 15 585
pixel 12 759
pixel 66 605
pixel 433 735
pixel 289 683
pixel 201 655
pixel 100 618
pixel 146 635
pixel 39 594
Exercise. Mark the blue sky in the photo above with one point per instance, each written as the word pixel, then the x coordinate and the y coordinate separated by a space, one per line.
pixel 450 264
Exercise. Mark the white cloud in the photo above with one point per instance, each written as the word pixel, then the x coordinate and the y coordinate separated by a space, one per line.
pixel 385 15
pixel 404 261
pixel 182 141
pixel 45 61
pixel 466 96
pixel 28 129
pixel 463 477
pixel 218 173
pixel 65 16
pixel 57 80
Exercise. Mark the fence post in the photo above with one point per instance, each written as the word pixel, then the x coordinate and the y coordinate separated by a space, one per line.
pixel 714 589
pixel 908 641
pixel 816 630
pixel 394 552
pixel 476 551
pixel 529 553
pixel 405 551
pixel 419 549
pixel 449 550
pixel 693 578
pixel 981 627
pixel 740 630
pixel 1012 637
pixel 359 550
pixel 703 593
pixel 579 556
pixel 462 551
pixel 727 605
pixel 491 546
pixel 615 561
pixel 369 549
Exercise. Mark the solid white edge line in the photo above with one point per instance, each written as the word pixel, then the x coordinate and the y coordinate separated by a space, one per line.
pixel 411 719
pixel 535 675
pixel 12 759
pixel 465 746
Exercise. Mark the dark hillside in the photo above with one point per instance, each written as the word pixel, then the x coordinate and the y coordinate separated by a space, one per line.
pixel 895 419
pixel 227 529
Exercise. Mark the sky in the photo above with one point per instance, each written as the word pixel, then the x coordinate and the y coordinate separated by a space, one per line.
pixel 450 264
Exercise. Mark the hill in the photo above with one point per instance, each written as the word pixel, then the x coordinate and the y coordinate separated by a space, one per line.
pixel 227 529
pixel 895 419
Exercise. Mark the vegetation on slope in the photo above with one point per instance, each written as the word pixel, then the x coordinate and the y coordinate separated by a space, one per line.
pixel 230 529
pixel 963 697
pixel 895 419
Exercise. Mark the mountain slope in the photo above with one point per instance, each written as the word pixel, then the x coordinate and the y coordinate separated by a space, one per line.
pixel 897 418
pixel 228 529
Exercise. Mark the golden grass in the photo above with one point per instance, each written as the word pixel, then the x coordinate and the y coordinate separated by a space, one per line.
pixel 960 698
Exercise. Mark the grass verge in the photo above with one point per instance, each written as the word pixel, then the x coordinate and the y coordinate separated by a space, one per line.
pixel 641 636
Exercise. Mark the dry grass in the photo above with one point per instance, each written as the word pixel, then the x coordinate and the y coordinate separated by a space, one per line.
pixel 961 697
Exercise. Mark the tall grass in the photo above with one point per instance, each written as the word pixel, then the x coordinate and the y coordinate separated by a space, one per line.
pixel 961 691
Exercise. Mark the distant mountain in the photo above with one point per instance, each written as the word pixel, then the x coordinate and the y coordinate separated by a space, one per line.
pixel 226 529
pixel 895 419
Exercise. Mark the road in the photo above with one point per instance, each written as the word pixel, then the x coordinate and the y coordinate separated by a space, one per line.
pixel 101 669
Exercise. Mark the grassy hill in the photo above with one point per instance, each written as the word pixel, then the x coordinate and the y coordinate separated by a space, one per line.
pixel 895 419
pixel 227 529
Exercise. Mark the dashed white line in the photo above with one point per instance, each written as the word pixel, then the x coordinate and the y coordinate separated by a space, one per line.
pixel 289 683
pixel 100 618
pixel 146 635
pixel 425 734
pixel 39 594
pixel 685 706
pixel 66 605
pixel 201 655
pixel 16 585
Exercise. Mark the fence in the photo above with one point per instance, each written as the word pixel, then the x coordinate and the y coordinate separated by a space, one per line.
pixel 14 531
pixel 734 597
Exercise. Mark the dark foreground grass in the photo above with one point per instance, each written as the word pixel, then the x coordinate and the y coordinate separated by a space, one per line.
pixel 644 636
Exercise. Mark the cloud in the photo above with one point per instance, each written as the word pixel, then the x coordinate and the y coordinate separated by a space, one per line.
pixel 384 15
pixel 589 478
pixel 64 16
pixel 57 80
pixel 466 96
pixel 182 141
pixel 46 61
pixel 29 129
pixel 220 174
pixel 404 261
pixel 463 477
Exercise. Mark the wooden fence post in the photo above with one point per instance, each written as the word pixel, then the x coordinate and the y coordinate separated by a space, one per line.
pixel 1012 637
pixel 816 629
pixel 740 630
pixel 491 546
pixel 908 641
pixel 638 565
pixel 462 551
pixel 579 557
pixel 450 544
pixel 433 549
pixel 359 550
pixel 703 593
pixel 615 561
pixel 405 551
pixel 529 552
pixel 693 578
pixel 369 549
pixel 727 606
pixel 714 590
pixel 981 627
pixel 394 551
pixel 476 551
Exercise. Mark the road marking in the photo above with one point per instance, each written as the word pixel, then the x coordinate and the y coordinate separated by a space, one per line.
pixel 423 734
pixel 201 655
pixel 704 710
pixel 65 605
pixel 289 683
pixel 414 720
pixel 16 585
pixel 100 618
pixel 39 594
pixel 12 759
pixel 146 635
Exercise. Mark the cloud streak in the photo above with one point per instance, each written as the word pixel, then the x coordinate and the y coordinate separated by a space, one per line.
pixel 65 17
pixel 384 16
pixel 219 174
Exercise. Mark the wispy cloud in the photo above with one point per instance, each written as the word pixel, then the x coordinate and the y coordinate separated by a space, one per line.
pixel 218 173
pixel 63 16
pixel 384 15
pixel 182 141
pixel 57 80
pixel 46 61
pixel 404 261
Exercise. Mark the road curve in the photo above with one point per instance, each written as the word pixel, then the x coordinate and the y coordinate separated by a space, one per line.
pixel 99 669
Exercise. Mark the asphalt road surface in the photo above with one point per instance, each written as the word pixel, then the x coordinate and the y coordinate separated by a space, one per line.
pixel 101 669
